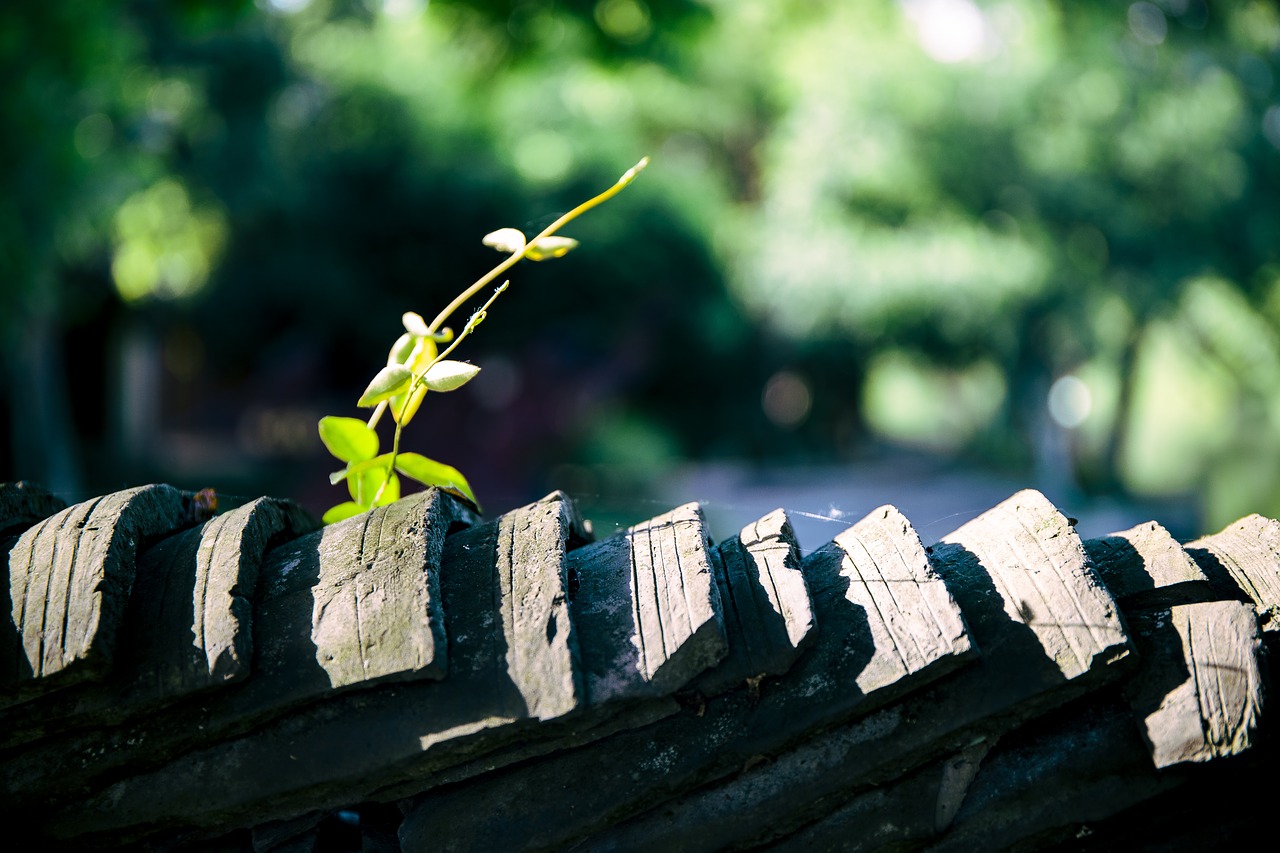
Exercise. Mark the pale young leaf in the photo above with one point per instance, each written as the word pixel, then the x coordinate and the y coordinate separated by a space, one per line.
pixel 507 240
pixel 424 352
pixel 414 324
pixel 546 248
pixel 391 380
pixel 630 175
pixel 402 349
pixel 402 413
pixel 448 375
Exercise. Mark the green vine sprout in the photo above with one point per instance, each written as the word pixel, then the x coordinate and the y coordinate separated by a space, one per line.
pixel 417 365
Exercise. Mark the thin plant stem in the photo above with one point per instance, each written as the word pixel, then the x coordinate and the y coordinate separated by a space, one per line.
pixel 422 378
pixel 515 257
pixel 476 318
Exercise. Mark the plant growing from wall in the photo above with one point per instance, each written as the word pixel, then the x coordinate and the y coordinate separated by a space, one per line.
pixel 416 365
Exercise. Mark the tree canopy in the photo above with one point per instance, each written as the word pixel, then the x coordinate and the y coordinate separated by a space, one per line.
pixel 1031 233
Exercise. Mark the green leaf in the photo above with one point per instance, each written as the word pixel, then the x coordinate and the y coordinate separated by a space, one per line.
pixel 550 247
pixel 365 482
pixel 391 380
pixel 424 352
pixel 508 240
pixel 448 375
pixel 400 413
pixel 342 511
pixel 390 494
pixel 429 472
pixel 402 349
pixel 349 439
pixel 359 468
pixel 414 324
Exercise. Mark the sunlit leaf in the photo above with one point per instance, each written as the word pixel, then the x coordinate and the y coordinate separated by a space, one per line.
pixel 391 380
pixel 550 247
pixel 424 352
pixel 402 414
pixel 508 240
pixel 364 483
pixel 390 493
pixel 349 439
pixel 402 349
pixel 359 468
pixel 448 375
pixel 414 324
pixel 344 510
pixel 429 472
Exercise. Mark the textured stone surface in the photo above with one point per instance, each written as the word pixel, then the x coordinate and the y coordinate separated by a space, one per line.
pixel 546 805
pixel 187 627
pixel 912 618
pixel 769 615
pixel 1245 557
pixel 1016 572
pixel 398 558
pixel 357 744
pixel 542 652
pixel 648 607
pixel 22 504
pixel 1047 783
pixel 69 582
pixel 1199 695
pixel 192 611
pixel 906 812
pixel 1027 553
pixel 852 710
pixel 1145 566
pixel 367 591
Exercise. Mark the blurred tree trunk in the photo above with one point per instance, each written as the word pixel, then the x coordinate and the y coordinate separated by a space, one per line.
pixel 43 439
pixel 1114 482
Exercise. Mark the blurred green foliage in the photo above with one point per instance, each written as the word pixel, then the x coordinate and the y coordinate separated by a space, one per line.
pixel 1034 233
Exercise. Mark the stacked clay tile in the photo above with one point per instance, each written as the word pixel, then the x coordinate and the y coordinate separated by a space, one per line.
pixel 418 679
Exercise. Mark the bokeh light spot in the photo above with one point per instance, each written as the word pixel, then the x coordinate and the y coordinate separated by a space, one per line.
pixel 283 7
pixel 625 20
pixel 948 30
pixel 787 399
pixel 1271 125
pixel 165 246
pixel 169 100
pixel 402 8
pixel 93 136
pixel 1147 23
pixel 543 156
pixel 1070 401
pixel 1087 248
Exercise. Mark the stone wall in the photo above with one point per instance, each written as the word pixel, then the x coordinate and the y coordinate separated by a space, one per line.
pixel 419 678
